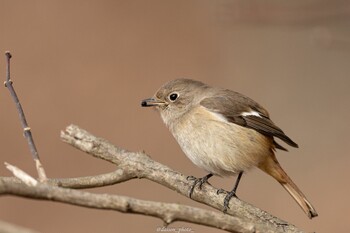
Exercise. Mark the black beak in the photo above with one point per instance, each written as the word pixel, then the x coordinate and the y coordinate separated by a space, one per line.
pixel 151 102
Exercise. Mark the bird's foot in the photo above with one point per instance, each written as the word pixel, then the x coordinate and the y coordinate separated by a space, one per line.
pixel 199 181
pixel 227 199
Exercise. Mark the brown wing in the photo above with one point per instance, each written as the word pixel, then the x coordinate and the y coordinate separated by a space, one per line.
pixel 236 108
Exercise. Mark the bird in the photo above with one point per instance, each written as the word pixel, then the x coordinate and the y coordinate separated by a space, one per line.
pixel 225 133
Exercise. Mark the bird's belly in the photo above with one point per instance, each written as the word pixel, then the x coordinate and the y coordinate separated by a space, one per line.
pixel 221 148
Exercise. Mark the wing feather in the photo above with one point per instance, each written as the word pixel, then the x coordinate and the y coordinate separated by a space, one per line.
pixel 236 107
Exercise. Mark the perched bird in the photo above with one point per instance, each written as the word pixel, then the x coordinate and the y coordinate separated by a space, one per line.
pixel 223 132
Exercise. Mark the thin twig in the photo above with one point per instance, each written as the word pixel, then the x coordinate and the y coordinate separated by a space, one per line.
pixel 85 182
pixel 111 178
pixel 26 129
pixel 21 175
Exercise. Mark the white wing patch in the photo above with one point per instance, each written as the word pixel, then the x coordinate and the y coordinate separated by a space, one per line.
pixel 219 116
pixel 222 118
pixel 251 113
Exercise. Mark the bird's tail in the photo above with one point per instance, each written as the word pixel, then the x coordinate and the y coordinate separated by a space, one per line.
pixel 274 169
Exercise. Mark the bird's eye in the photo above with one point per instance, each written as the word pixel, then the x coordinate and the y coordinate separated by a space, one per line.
pixel 173 96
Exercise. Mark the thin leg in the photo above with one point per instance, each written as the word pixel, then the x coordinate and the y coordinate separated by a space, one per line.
pixel 237 182
pixel 196 181
pixel 231 194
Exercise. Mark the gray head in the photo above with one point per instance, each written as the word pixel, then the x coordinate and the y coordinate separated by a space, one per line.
pixel 176 97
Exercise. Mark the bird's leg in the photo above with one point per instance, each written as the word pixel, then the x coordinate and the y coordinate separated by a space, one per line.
pixel 196 181
pixel 230 194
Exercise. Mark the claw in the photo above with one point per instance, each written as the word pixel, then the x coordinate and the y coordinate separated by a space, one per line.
pixel 227 200
pixel 196 181
pixel 191 178
pixel 221 191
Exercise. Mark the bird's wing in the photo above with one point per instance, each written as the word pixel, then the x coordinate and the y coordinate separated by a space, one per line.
pixel 239 109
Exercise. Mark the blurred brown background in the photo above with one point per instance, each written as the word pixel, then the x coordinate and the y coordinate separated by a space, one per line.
pixel 91 62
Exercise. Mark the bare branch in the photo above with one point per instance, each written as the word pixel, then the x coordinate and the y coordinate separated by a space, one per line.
pixel 142 166
pixel 168 212
pixel 139 165
pixel 21 175
pixel 26 129
pixel 115 177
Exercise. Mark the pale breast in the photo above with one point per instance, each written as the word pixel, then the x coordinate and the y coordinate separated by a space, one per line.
pixel 218 146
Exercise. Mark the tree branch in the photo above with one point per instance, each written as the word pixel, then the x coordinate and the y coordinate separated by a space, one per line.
pixel 168 212
pixel 142 166
pixel 242 217
pixel 115 177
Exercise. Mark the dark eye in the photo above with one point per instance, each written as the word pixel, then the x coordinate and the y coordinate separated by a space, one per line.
pixel 173 96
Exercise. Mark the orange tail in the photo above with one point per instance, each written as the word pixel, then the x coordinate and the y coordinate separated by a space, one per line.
pixel 274 169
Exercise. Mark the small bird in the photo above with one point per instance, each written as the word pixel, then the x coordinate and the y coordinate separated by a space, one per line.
pixel 223 132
